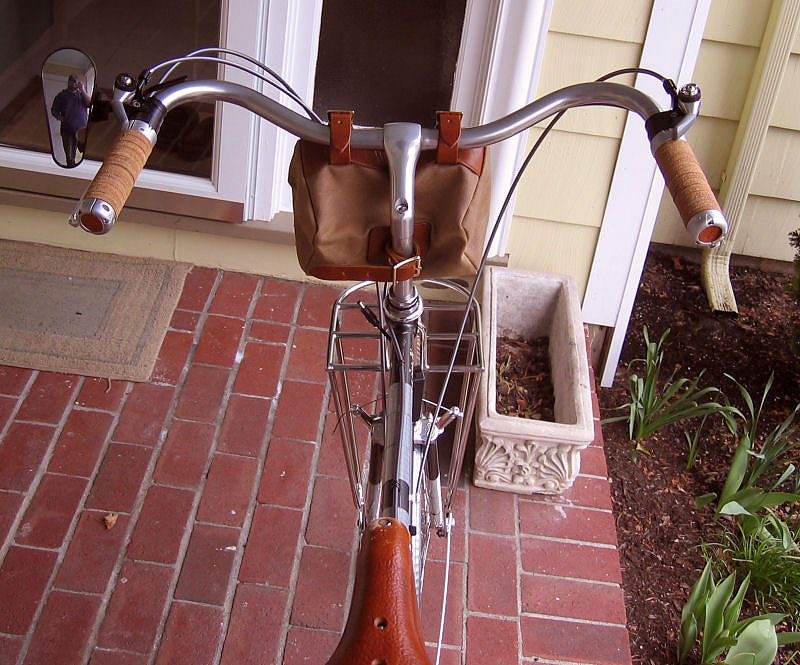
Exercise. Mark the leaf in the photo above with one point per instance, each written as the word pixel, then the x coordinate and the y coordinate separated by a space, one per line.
pixel 785 476
pixel 697 598
pixel 615 419
pixel 692 611
pixel 749 498
pixel 737 470
pixel 757 645
pixel 772 499
pixel 788 638
pixel 735 607
pixel 687 637
pixel 704 499
pixel 714 622
pixel 733 508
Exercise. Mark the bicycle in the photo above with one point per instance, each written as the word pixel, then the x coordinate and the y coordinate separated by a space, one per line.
pixel 402 497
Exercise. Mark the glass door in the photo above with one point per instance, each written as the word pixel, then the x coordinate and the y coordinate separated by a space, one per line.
pixel 389 62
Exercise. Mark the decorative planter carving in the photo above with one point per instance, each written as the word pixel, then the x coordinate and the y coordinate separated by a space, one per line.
pixel 519 454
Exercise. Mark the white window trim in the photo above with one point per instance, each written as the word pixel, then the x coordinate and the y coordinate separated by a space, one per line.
pixel 497 74
pixel 202 196
pixel 291 42
pixel 671 47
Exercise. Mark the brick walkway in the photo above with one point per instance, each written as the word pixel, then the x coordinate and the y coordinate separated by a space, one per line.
pixel 235 537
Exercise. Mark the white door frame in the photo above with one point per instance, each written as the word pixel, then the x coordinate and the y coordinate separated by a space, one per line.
pixel 671 47
pixel 497 72
pixel 502 47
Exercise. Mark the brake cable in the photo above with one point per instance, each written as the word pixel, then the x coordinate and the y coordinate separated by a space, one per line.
pixel 270 78
pixel 668 85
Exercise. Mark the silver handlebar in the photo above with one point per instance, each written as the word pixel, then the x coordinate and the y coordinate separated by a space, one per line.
pixel 153 105
pixel 371 138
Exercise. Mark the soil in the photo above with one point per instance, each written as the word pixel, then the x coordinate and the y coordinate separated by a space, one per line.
pixel 658 527
pixel 524 388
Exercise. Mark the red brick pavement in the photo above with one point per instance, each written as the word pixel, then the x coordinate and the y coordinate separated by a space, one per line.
pixel 235 537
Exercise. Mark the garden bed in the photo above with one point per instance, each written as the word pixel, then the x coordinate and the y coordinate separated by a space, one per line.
pixel 658 527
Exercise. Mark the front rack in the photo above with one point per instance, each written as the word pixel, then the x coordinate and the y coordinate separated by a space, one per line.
pixel 356 372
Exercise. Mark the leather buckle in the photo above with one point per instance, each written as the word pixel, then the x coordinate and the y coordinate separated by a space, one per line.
pixel 417 263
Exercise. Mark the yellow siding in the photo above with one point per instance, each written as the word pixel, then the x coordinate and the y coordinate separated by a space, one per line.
pixel 566 188
pixel 568 181
pixel 786 113
pixel 778 173
pixel 737 21
pixel 711 140
pixel 573 59
pixel 602 18
pixel 723 73
pixel 563 194
pixel 248 255
pixel 570 248
pixel 766 225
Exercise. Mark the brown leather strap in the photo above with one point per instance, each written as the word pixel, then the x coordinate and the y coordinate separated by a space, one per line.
pixel 449 123
pixel 407 270
pixel 378 244
pixel 341 127
pixel 383 265
pixel 383 625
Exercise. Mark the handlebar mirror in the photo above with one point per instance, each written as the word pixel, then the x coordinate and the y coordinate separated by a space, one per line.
pixel 68 84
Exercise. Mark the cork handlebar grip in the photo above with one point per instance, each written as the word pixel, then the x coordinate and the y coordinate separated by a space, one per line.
pixel 688 185
pixel 113 183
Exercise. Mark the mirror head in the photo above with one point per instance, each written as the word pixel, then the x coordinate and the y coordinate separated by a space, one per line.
pixel 68 84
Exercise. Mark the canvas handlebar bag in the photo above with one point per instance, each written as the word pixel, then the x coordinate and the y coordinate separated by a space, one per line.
pixel 342 198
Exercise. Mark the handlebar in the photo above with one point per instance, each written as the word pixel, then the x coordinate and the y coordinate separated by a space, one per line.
pixel 688 185
pixel 113 183
pixel 106 195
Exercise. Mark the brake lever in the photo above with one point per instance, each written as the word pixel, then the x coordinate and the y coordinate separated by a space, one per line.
pixel 125 89
pixel 161 86
pixel 673 124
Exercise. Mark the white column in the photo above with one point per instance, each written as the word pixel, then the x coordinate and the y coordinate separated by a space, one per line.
pixel 670 47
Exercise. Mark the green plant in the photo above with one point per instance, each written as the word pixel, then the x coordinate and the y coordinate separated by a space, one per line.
pixel 775 445
pixel 655 404
pixel 694 441
pixel 765 551
pixel 711 615
pixel 754 463
pixel 757 546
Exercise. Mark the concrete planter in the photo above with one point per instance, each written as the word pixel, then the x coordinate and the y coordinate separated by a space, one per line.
pixel 518 454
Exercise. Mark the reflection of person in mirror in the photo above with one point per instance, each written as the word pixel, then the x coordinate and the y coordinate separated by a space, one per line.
pixel 71 109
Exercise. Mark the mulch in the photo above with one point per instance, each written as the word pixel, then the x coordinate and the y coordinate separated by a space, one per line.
pixel 524 388
pixel 658 527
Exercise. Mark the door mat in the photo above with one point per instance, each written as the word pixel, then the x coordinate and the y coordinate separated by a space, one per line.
pixel 84 313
